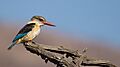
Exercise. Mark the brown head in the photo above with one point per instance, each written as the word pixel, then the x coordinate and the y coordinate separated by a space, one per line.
pixel 42 20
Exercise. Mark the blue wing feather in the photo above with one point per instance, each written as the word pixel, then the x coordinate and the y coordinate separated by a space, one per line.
pixel 19 36
pixel 27 28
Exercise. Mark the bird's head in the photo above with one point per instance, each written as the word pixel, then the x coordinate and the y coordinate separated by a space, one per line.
pixel 42 20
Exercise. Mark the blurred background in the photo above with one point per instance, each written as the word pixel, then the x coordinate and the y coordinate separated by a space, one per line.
pixel 92 24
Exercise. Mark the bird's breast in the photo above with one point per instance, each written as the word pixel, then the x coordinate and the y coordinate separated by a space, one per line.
pixel 33 33
pixel 36 31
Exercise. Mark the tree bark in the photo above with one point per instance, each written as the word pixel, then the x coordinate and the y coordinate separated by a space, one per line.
pixel 64 57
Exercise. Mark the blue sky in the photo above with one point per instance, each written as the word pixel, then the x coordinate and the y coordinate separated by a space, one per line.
pixel 96 19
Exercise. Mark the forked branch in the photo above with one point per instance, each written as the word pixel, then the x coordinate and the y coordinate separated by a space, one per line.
pixel 63 57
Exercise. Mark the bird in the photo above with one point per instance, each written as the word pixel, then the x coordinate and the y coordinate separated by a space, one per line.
pixel 30 31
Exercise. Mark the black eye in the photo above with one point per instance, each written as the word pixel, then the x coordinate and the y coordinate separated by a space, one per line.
pixel 41 19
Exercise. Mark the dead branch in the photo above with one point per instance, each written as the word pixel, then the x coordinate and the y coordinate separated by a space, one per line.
pixel 64 57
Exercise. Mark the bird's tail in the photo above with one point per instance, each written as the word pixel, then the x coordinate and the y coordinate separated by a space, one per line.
pixel 13 44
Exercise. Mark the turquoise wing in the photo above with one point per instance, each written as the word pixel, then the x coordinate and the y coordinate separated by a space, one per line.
pixel 27 28
pixel 19 36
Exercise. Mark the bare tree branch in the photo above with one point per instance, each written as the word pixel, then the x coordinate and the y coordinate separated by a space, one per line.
pixel 64 57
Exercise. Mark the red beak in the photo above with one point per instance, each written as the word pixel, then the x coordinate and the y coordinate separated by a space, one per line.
pixel 49 24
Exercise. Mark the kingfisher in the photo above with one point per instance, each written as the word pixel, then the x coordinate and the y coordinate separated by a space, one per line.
pixel 30 30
